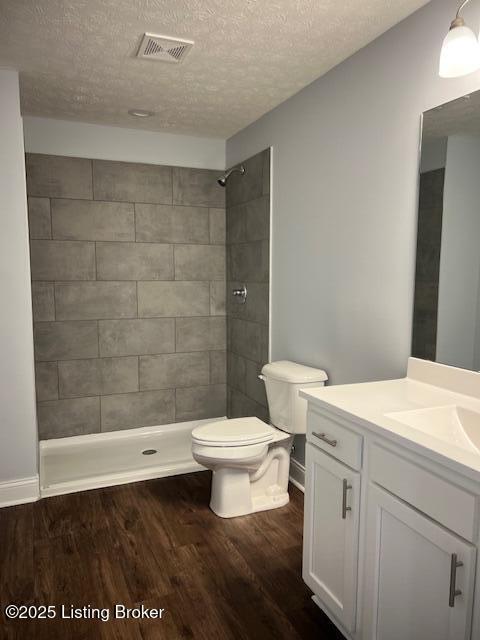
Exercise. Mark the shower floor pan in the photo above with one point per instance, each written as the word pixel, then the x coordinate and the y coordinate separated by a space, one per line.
pixel 86 462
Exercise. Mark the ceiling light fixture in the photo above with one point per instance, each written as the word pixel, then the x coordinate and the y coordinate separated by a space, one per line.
pixel 141 113
pixel 460 54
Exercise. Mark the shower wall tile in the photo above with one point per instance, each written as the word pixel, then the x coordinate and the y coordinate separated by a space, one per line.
pixel 134 261
pixel 43 301
pixel 173 299
pixel 248 260
pixel 218 226
pixel 65 340
pixel 218 294
pixel 200 334
pixel 99 376
pixel 58 176
pixel 128 293
pixel 218 367
pixel 142 409
pixel 89 220
pixel 39 222
pixel 95 300
pixel 197 403
pixel 55 260
pixel 46 377
pixel 74 417
pixel 199 262
pixel 174 369
pixel 132 182
pixel 197 187
pixel 136 337
pixel 160 223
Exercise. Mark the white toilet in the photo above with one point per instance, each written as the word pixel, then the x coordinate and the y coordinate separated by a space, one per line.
pixel 250 459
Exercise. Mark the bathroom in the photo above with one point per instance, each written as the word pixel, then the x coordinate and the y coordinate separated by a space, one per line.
pixel 200 246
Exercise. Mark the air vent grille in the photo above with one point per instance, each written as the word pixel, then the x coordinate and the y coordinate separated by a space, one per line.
pixel 164 48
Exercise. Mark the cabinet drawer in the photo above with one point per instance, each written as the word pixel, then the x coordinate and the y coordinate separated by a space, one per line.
pixel 336 439
pixel 443 501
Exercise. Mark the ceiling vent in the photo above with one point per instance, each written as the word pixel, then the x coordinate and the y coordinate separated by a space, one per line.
pixel 163 48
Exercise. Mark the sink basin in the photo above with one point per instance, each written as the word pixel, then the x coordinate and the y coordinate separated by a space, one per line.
pixel 453 424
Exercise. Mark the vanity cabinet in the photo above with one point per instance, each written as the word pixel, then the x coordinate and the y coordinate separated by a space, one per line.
pixel 330 554
pixel 419 576
pixel 390 539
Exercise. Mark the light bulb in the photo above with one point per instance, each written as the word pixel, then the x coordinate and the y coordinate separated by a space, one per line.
pixel 460 53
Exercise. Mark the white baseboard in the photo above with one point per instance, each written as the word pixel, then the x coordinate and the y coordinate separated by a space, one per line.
pixel 297 474
pixel 19 491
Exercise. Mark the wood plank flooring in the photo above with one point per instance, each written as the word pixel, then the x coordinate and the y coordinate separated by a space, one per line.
pixel 157 543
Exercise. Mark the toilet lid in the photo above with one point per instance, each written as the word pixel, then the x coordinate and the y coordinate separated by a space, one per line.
pixel 233 433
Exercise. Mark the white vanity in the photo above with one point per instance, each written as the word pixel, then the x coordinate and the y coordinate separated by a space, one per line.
pixel 392 495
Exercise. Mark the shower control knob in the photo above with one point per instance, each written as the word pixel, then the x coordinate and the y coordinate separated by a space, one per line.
pixel 240 294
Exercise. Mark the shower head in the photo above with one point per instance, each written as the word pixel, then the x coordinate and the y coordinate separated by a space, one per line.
pixel 222 181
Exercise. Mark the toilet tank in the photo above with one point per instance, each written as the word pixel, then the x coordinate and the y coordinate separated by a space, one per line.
pixel 283 380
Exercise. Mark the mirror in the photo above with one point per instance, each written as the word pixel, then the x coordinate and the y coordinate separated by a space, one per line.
pixel 446 321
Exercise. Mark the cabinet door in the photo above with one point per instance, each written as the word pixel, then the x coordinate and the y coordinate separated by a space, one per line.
pixel 414 588
pixel 330 546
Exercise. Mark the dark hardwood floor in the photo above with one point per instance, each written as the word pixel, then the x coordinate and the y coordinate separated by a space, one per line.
pixel 157 543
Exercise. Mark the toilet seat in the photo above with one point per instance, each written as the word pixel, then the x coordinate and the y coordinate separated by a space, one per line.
pixel 234 433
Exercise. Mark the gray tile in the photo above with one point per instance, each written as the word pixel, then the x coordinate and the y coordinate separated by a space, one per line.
pixel 95 300
pixel 255 388
pixel 99 376
pixel 43 301
pixel 46 381
pixel 142 409
pixel 256 308
pixel 242 188
pixel 198 403
pixel 200 334
pixel 197 187
pixel 174 370
pixel 264 344
pixel 65 340
pixel 134 261
pixel 62 260
pixel 218 298
pixel 39 218
pixel 246 339
pixel 235 231
pixel 218 367
pixel 172 299
pixel 58 176
pixel 90 220
pixel 75 417
pixel 218 226
pixel 241 406
pixel 132 182
pixel 236 371
pixel 136 337
pixel 162 223
pixel 257 219
pixel 249 261
pixel 266 171
pixel 199 262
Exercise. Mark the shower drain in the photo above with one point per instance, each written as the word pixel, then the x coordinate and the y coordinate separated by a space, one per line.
pixel 149 452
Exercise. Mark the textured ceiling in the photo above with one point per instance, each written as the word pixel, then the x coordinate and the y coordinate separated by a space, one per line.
pixel 77 57
pixel 458 117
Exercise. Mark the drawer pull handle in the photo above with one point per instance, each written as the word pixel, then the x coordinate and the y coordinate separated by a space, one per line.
pixel 454 592
pixel 323 436
pixel 346 487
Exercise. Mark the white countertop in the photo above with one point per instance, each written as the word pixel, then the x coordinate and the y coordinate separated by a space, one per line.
pixel 368 403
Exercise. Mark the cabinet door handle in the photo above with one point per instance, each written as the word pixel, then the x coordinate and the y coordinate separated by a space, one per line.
pixel 346 487
pixel 454 592
pixel 323 436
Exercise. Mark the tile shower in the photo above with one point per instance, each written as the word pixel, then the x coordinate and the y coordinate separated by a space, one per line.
pixel 128 286
pixel 132 323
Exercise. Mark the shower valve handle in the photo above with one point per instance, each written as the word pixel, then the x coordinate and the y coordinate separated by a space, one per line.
pixel 240 294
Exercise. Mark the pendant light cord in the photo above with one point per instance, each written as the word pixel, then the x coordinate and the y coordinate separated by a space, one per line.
pixel 461 7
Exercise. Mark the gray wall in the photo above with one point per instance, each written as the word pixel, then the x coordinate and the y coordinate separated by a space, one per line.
pixel 128 287
pixel 248 263
pixel 345 158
